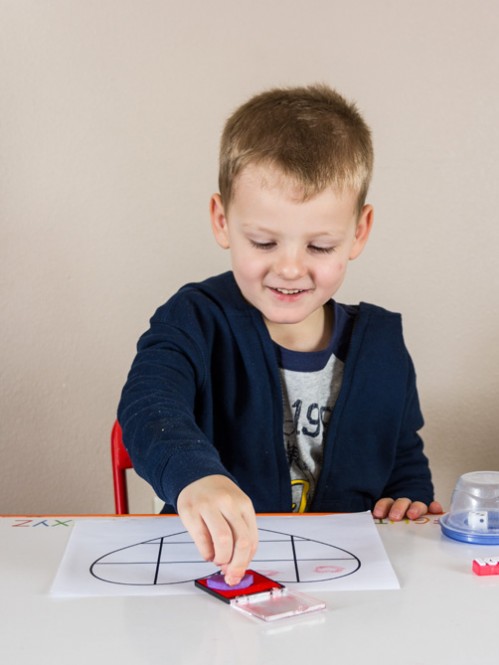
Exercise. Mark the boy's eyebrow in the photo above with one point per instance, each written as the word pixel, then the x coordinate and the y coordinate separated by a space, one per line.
pixel 319 236
pixel 252 228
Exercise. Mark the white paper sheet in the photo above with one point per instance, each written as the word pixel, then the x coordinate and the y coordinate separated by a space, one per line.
pixel 156 556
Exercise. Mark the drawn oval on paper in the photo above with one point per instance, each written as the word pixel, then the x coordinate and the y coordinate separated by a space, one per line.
pixel 174 559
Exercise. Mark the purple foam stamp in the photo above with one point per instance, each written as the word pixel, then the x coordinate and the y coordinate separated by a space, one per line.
pixel 217 581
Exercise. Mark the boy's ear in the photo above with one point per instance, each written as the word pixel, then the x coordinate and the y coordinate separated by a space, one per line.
pixel 362 231
pixel 219 222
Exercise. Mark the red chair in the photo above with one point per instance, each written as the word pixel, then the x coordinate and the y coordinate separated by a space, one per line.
pixel 121 462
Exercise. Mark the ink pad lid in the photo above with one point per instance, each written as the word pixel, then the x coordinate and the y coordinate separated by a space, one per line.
pixel 277 604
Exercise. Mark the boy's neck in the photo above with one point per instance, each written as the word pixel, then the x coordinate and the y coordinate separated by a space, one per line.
pixel 314 334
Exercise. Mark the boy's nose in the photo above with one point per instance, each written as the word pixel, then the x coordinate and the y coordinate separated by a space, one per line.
pixel 289 265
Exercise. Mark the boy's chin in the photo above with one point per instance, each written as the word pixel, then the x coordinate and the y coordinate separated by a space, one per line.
pixel 284 320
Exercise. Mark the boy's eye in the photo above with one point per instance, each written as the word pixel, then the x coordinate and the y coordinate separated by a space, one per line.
pixel 321 250
pixel 262 245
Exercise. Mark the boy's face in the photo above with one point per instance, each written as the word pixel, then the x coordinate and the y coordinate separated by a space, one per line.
pixel 289 256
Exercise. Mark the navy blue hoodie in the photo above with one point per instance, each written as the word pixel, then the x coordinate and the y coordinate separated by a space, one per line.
pixel 203 397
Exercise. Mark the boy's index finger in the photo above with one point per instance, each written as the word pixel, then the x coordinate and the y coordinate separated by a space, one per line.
pixel 241 559
pixel 245 539
pixel 382 507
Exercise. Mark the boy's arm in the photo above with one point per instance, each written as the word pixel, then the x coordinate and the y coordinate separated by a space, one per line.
pixel 173 454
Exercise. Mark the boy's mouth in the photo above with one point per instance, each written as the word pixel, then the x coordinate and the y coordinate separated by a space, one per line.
pixel 289 292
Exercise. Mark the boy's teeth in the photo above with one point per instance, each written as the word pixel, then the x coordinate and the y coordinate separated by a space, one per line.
pixel 289 292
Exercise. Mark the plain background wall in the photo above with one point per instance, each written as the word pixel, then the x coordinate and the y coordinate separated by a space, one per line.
pixel 110 116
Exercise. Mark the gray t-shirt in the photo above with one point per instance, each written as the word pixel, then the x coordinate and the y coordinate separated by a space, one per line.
pixel 311 383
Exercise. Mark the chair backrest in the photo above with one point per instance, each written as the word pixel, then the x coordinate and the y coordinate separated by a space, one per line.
pixel 121 462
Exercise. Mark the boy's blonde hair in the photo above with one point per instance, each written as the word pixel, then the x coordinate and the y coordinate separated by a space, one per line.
pixel 311 134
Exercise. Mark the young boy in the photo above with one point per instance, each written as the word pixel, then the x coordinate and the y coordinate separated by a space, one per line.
pixel 254 390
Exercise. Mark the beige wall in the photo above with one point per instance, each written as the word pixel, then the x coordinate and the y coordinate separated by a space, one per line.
pixel 110 113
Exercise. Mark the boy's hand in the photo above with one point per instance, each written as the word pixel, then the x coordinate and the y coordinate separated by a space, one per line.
pixel 222 522
pixel 397 509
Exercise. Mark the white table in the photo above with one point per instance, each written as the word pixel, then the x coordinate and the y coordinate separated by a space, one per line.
pixel 443 614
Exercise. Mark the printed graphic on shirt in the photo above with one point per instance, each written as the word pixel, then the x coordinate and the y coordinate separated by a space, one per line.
pixel 299 491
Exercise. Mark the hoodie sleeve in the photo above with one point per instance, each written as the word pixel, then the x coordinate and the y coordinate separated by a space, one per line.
pixel 410 476
pixel 158 403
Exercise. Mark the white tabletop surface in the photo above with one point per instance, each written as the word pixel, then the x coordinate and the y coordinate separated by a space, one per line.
pixel 443 613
